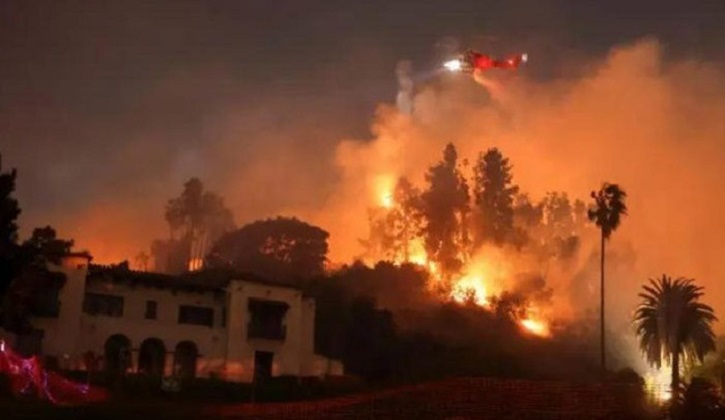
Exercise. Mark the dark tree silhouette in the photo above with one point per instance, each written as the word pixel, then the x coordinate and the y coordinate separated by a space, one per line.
pixel 280 249
pixel 27 286
pixel 672 324
pixel 350 327
pixel 494 196
pixel 45 247
pixel 445 208
pixel 197 218
pixel 9 212
pixel 700 400
pixel 606 213
pixel 34 289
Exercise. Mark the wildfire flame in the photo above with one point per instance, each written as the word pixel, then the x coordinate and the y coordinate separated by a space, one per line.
pixel 536 327
pixel 195 264
pixel 472 286
pixel 659 384
pixel 386 200
pixel 384 186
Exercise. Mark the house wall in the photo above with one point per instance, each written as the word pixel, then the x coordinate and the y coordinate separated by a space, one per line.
pixel 61 335
pixel 224 350
pixel 289 355
pixel 96 329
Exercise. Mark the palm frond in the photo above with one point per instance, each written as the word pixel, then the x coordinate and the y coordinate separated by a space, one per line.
pixel 670 320
pixel 608 208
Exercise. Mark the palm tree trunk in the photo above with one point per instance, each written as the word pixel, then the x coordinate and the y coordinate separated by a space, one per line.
pixel 601 308
pixel 675 377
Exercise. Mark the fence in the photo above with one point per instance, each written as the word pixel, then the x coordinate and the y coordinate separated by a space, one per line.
pixel 466 398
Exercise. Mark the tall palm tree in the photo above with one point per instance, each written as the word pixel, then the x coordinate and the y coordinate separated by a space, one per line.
pixel 671 324
pixel 606 213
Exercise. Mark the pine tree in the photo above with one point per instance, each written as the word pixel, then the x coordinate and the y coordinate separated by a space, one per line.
pixel 445 207
pixel 494 198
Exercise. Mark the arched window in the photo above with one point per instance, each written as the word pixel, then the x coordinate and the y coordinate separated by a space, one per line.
pixel 117 354
pixel 185 359
pixel 152 357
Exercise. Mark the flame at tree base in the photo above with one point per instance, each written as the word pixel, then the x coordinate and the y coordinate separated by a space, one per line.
pixel 536 327
pixel 658 383
pixel 472 288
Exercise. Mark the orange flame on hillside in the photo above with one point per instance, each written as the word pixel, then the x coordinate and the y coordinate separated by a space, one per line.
pixel 473 286
pixel 195 264
pixel 470 287
pixel 536 327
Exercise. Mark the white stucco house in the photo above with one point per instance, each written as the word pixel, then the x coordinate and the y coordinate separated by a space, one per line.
pixel 204 324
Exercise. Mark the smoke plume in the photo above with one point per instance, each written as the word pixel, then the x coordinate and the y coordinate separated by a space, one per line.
pixel 652 125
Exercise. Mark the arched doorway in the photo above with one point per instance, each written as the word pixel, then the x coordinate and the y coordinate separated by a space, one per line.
pixel 185 359
pixel 117 354
pixel 152 357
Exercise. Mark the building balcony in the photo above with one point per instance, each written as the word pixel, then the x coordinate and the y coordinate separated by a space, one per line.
pixel 266 332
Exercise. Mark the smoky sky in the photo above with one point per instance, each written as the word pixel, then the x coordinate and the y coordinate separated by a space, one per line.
pixel 106 107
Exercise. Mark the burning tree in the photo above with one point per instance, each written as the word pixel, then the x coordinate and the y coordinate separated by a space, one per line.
pixel 405 218
pixel 445 207
pixel 494 194
pixel 196 219
pixel 560 236
pixel 527 218
pixel 395 226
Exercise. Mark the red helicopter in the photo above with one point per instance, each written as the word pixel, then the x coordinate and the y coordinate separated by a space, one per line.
pixel 473 60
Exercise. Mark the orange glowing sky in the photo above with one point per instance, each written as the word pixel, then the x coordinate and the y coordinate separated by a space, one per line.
pixel 652 123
